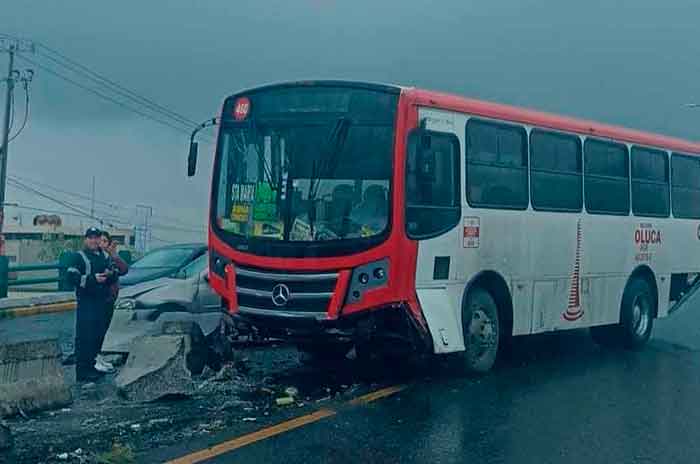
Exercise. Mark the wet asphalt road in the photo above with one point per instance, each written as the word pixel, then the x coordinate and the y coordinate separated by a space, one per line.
pixel 559 399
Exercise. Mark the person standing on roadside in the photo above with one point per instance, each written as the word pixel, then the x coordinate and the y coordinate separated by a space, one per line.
pixel 120 268
pixel 89 272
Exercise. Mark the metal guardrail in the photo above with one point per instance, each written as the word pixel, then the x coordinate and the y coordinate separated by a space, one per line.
pixel 6 271
pixel 59 279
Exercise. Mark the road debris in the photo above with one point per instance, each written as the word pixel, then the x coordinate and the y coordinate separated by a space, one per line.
pixel 284 401
pixel 154 422
pixel 226 374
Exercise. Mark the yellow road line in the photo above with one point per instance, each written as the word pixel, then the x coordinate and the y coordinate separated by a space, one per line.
pixel 377 395
pixel 261 434
pixel 38 309
pixel 280 428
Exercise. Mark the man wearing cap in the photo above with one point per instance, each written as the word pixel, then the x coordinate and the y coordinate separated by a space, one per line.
pixel 90 272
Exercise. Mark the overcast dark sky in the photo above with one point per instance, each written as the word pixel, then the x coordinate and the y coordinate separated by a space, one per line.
pixel 628 62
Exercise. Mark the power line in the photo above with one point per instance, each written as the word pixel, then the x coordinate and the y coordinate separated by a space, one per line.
pixel 44 210
pixel 103 96
pixel 53 199
pixel 67 192
pixel 103 218
pixel 185 226
pixel 26 112
pixel 104 81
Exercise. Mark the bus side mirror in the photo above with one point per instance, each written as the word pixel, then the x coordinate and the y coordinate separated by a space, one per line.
pixel 192 159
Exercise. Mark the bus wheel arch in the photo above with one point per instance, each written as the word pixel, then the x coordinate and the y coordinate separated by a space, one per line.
pixel 486 316
pixel 644 272
pixel 497 287
pixel 638 308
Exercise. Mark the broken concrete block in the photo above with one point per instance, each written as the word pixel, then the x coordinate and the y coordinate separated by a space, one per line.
pixel 31 377
pixel 196 349
pixel 6 440
pixel 156 368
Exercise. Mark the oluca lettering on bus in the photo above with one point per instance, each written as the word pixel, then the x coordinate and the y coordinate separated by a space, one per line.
pixel 646 235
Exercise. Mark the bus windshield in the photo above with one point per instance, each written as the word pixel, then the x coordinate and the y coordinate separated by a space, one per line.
pixel 300 179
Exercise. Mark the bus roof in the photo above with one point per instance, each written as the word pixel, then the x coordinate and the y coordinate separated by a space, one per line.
pixel 546 120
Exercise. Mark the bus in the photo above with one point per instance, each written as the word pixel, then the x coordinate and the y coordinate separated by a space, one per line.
pixel 349 214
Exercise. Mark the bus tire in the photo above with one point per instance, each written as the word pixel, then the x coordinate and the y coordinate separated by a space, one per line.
pixel 637 314
pixel 481 330
pixel 636 319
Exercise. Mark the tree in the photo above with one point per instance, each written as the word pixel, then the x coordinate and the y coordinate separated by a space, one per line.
pixel 53 247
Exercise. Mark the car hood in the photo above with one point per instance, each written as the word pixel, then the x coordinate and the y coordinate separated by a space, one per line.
pixel 135 291
pixel 138 275
pixel 153 294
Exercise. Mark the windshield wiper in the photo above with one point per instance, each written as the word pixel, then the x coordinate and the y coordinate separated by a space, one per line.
pixel 267 169
pixel 328 164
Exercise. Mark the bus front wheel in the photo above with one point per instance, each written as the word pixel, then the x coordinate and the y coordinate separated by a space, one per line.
pixel 481 330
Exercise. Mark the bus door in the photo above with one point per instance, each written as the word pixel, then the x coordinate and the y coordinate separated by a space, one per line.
pixel 433 218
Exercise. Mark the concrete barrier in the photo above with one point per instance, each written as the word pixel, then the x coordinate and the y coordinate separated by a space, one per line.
pixel 31 377
pixel 156 367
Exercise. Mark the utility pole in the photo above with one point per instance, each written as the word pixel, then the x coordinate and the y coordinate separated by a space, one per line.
pixel 10 46
pixel 146 232
pixel 92 197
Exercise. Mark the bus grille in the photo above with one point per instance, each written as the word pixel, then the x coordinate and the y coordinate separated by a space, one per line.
pixel 284 291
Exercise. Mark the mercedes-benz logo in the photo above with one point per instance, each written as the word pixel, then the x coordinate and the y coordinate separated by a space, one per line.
pixel 280 294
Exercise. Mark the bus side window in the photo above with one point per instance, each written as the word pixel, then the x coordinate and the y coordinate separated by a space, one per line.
pixel 432 184
pixel 685 171
pixel 496 165
pixel 556 171
pixel 606 177
pixel 650 189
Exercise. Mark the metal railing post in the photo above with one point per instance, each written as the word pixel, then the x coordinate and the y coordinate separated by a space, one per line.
pixel 4 268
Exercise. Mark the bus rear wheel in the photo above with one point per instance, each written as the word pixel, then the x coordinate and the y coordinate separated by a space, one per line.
pixel 481 330
pixel 636 318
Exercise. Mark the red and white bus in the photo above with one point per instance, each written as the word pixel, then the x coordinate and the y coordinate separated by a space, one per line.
pixel 352 213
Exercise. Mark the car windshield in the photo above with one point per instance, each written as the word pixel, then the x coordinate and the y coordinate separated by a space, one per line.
pixel 194 268
pixel 165 257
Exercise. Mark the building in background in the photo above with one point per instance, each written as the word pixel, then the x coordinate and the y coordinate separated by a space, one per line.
pixel 43 240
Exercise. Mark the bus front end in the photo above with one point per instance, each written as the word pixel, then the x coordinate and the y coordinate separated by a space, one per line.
pixel 307 240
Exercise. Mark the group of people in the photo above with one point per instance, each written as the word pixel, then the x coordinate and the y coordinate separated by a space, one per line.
pixel 95 272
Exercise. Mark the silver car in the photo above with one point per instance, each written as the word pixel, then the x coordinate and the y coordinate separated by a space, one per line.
pixel 142 309
pixel 188 291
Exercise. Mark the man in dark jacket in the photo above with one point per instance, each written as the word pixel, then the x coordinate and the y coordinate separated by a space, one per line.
pixel 90 273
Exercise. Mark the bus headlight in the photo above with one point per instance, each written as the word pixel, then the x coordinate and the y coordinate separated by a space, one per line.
pixel 367 277
pixel 126 303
